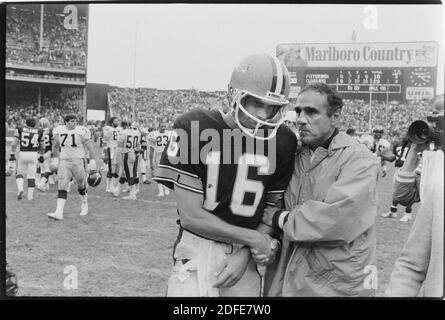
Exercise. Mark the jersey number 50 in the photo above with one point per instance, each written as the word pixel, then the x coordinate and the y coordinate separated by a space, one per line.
pixel 242 183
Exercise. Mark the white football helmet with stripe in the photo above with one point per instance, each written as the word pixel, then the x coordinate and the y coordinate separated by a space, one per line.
pixel 264 77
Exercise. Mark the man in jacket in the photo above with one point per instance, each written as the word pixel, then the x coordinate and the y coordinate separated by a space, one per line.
pixel 331 202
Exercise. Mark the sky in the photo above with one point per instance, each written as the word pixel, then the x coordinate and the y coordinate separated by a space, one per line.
pixel 183 46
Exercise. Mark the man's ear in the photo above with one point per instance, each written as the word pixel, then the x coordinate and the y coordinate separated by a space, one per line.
pixel 335 118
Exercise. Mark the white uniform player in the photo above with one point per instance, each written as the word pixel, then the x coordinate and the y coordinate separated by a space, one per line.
pixel 381 147
pixel 30 140
pixel 129 143
pixel 158 140
pixel 72 140
pixel 111 136
pixel 144 158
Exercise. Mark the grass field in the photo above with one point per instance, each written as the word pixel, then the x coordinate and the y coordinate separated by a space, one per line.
pixel 123 248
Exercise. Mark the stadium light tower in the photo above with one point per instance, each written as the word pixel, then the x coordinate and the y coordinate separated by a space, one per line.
pixel 134 71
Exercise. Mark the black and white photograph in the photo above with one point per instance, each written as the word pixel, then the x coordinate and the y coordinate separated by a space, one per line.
pixel 184 150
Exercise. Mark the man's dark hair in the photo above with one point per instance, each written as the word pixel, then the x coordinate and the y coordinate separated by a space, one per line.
pixel 69 117
pixel 110 122
pixel 350 131
pixel 30 122
pixel 335 101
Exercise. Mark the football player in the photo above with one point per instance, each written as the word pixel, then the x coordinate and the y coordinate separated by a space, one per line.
pixel 381 148
pixel 30 140
pixel 400 150
pixel 220 202
pixel 144 158
pixel 110 138
pixel 72 140
pixel 130 144
pixel 158 139
pixel 45 158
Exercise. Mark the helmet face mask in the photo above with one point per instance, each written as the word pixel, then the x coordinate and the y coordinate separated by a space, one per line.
pixel 271 123
pixel 266 79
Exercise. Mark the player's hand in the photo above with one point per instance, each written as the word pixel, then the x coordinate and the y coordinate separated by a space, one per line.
pixel 92 165
pixel 262 259
pixel 40 159
pixel 231 269
pixel 383 173
pixel 263 246
pixel 55 162
pixel 268 215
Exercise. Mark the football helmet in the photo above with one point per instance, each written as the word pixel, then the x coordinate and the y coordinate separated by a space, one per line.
pixel 378 132
pixel 54 165
pixel 135 125
pixel 44 123
pixel 8 171
pixel 94 178
pixel 265 78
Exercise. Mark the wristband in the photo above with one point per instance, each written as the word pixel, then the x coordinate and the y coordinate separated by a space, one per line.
pixel 277 216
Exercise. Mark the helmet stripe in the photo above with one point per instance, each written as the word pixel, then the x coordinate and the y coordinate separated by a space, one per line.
pixel 274 74
pixel 279 73
pixel 284 82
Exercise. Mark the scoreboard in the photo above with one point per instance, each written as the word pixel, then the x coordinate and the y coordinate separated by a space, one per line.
pixel 364 70
pixel 360 83
pixel 358 80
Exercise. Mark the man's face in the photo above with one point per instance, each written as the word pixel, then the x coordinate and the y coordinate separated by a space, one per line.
pixel 70 125
pixel 313 123
pixel 115 123
pixel 162 127
pixel 258 109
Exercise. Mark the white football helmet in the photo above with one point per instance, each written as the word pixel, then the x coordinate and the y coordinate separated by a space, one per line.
pixel 44 123
pixel 135 125
pixel 265 78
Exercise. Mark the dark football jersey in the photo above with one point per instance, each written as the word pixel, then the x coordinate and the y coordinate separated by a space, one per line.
pixel 47 139
pixel 236 174
pixel 401 150
pixel 29 138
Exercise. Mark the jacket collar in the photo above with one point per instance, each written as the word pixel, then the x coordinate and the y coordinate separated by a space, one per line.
pixel 338 140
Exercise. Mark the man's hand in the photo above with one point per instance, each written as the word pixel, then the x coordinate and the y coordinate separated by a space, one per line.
pixel 262 259
pixel 263 248
pixel 40 159
pixel 383 173
pixel 232 269
pixel 268 215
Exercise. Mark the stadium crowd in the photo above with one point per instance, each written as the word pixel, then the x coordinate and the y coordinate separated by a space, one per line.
pixel 60 48
pixel 154 106
pixel 55 105
pixel 394 117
